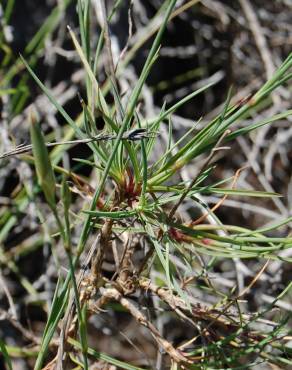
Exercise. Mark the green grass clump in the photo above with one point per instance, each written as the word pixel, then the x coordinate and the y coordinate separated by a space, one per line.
pixel 133 213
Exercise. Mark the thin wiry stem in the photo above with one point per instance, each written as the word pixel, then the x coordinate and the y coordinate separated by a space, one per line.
pixel 132 135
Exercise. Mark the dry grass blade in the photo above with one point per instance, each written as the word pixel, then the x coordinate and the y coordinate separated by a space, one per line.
pixel 133 135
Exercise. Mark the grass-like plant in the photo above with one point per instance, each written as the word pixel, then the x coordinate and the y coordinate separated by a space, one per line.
pixel 134 214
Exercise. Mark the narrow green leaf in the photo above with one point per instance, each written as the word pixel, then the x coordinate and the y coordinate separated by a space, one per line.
pixel 58 305
pixel 5 354
pixel 45 174
pixel 105 357
pixel 66 195
pixel 114 214
pixel 101 101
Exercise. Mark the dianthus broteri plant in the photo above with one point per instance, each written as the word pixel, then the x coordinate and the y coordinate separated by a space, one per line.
pixel 124 235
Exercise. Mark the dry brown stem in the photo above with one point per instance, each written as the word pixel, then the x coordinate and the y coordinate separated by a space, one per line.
pixel 113 294
pixel 104 243
pixel 260 41
pixel 181 307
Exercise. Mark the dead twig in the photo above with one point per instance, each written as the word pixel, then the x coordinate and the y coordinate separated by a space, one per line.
pixel 180 306
pixel 260 41
pixel 132 135
pixel 16 324
pixel 104 244
pixel 113 294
